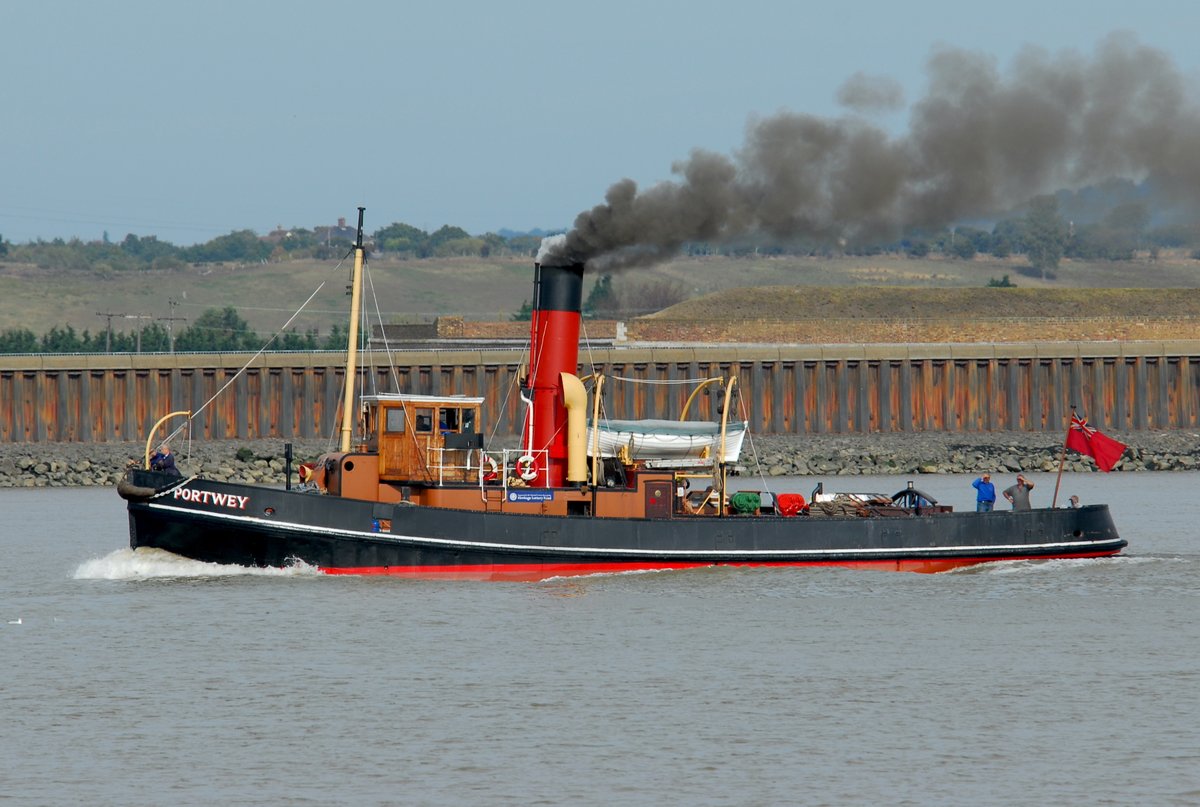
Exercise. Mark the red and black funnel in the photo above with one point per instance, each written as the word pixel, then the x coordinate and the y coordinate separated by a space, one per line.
pixel 554 349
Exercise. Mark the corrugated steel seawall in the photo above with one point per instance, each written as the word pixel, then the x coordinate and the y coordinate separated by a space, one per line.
pixel 785 389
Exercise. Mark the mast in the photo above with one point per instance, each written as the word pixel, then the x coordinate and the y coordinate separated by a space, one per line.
pixel 348 415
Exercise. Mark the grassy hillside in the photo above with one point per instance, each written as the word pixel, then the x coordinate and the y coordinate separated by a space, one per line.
pixel 267 294
pixel 817 302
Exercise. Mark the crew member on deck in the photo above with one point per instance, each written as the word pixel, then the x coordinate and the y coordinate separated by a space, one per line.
pixel 985 499
pixel 163 460
pixel 1018 494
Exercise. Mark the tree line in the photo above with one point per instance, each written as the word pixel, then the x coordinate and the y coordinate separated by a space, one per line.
pixel 213 330
pixel 1109 222
pixel 142 253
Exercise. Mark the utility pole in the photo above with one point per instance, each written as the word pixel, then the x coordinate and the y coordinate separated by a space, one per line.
pixel 108 331
pixel 171 320
pixel 139 318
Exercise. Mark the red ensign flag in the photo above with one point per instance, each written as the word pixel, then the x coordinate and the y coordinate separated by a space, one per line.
pixel 1086 440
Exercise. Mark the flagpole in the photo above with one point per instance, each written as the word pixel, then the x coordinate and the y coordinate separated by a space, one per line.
pixel 1062 460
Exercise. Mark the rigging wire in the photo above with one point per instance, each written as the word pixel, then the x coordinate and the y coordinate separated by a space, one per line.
pixel 507 395
pixel 383 332
pixel 334 437
pixel 529 376
pixel 587 342
pixel 753 449
pixel 260 351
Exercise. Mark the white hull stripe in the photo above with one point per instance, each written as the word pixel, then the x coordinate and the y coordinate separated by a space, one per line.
pixel 1075 546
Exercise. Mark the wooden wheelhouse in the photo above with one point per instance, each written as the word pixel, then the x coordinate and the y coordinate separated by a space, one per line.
pixel 425 439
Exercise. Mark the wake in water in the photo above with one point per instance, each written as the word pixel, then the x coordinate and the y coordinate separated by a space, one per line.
pixel 1057 565
pixel 147 564
pixel 150 564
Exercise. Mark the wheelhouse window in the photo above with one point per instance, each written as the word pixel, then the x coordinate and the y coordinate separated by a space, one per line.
pixel 449 420
pixel 395 420
pixel 424 419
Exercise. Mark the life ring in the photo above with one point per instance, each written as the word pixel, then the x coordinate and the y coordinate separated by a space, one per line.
pixel 526 467
pixel 493 470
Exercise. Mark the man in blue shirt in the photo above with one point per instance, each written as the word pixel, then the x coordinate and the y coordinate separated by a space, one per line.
pixel 985 499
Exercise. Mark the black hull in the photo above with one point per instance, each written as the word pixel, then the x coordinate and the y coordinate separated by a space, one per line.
pixel 250 525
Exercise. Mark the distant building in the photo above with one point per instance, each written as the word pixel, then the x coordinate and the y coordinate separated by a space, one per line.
pixel 277 235
pixel 327 235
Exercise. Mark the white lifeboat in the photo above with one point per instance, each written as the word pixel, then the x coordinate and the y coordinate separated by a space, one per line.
pixel 667 439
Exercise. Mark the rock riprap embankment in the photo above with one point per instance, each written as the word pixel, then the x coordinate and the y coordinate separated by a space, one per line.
pixel 261 461
pixel 941 453
pixel 32 465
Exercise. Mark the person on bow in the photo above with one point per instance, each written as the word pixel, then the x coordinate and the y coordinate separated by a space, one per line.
pixel 163 460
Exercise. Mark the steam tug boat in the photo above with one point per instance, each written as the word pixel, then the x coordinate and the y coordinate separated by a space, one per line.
pixel 415 492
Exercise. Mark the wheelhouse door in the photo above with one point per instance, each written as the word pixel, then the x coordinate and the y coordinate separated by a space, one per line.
pixel 658 499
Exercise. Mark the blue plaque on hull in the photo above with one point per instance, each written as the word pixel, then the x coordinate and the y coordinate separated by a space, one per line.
pixel 530 495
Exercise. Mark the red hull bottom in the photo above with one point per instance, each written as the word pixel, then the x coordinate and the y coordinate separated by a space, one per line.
pixel 533 572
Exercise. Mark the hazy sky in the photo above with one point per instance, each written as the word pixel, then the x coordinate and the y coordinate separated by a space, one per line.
pixel 189 120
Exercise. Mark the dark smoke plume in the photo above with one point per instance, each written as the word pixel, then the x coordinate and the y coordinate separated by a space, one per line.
pixel 863 93
pixel 978 143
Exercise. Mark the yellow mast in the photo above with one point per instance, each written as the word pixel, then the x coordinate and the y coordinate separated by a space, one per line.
pixel 348 414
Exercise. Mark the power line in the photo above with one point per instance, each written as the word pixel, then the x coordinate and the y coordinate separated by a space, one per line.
pixel 109 315
pixel 171 320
